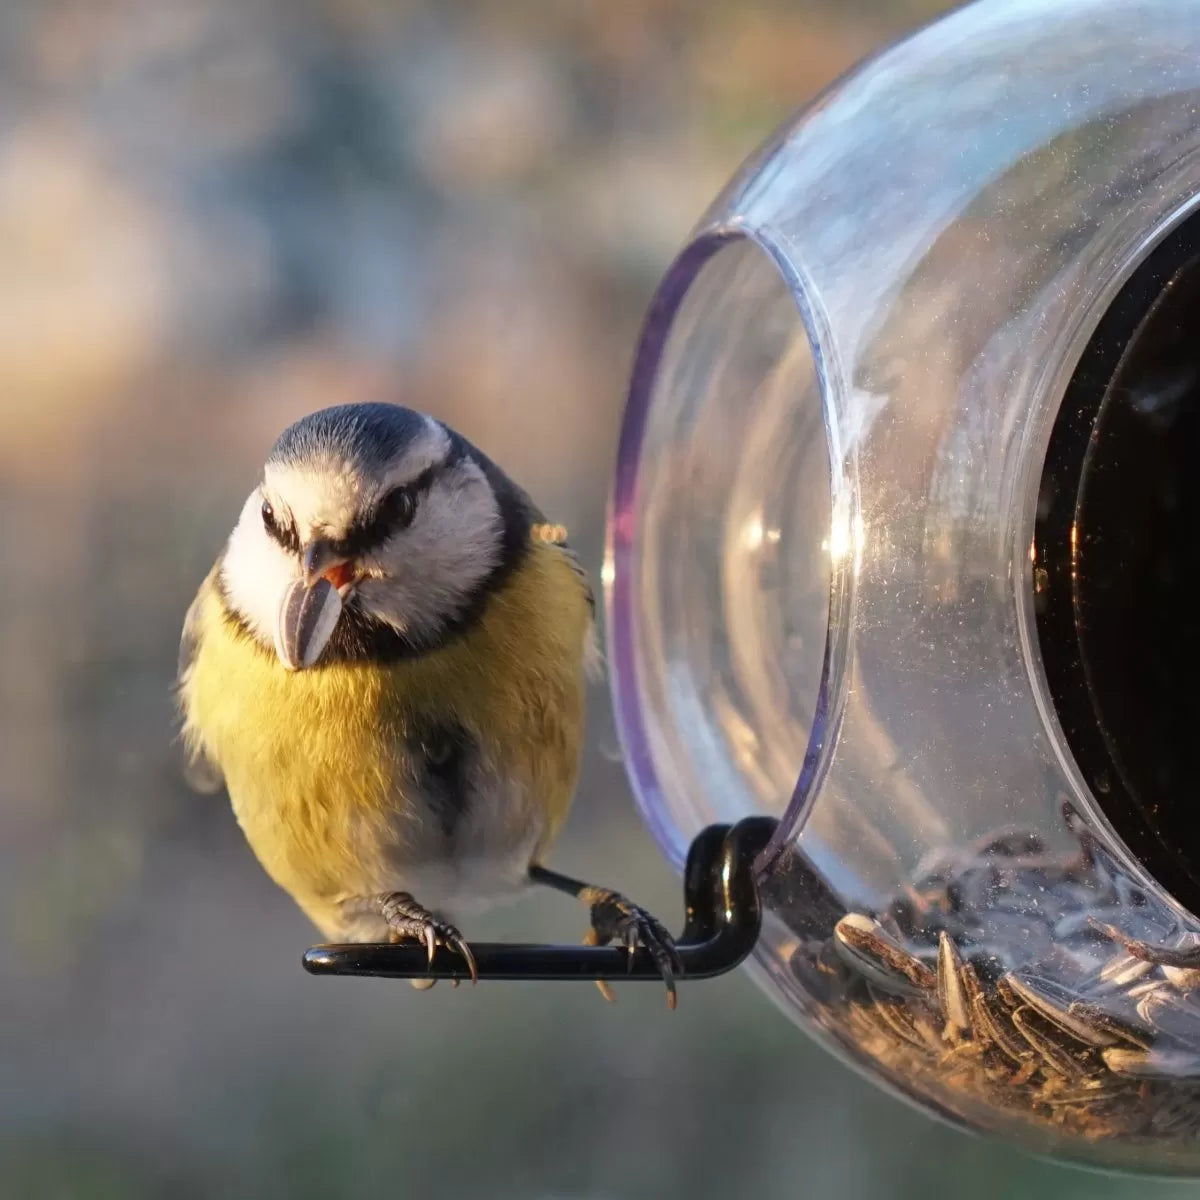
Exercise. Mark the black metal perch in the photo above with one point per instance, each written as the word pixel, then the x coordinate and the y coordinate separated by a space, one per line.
pixel 724 917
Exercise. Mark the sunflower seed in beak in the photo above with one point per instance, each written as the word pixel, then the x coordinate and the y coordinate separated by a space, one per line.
pixel 306 621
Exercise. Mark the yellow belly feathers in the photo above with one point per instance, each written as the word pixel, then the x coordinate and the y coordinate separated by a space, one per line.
pixel 315 760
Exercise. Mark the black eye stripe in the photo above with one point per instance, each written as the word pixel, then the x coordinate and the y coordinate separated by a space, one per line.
pixel 286 536
pixel 393 513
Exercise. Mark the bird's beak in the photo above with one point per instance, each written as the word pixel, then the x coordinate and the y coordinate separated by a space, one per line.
pixel 312 605
pixel 320 560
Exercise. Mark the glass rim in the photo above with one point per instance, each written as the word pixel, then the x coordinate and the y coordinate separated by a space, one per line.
pixel 845 532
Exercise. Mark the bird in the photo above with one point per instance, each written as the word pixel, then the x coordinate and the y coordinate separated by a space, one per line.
pixel 386 669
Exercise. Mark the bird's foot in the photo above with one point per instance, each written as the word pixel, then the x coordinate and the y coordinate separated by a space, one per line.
pixel 615 918
pixel 409 921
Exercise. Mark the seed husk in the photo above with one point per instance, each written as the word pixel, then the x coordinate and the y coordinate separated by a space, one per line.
pixel 864 946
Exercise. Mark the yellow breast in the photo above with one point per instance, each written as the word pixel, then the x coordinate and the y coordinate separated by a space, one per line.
pixel 315 760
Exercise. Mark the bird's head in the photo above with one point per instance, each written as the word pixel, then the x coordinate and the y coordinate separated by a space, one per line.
pixel 375 529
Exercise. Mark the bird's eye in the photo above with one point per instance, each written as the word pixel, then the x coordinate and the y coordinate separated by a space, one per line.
pixel 401 507
pixel 285 535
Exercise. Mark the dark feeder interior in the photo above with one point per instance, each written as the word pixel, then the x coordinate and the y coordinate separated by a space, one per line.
pixel 1116 559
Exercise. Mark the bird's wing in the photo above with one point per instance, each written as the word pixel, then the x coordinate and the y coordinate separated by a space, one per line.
pixel 556 536
pixel 199 769
pixel 582 575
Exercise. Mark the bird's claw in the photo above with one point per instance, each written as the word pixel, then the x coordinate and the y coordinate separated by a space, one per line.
pixel 615 918
pixel 409 921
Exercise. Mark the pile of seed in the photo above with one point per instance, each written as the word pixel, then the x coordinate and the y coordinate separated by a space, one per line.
pixel 1052 989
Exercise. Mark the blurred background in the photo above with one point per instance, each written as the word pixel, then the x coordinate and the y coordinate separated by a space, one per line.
pixel 215 216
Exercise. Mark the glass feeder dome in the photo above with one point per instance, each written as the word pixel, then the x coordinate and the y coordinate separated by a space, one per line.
pixel 903 553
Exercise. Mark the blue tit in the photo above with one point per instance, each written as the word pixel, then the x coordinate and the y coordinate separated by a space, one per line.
pixel 386 669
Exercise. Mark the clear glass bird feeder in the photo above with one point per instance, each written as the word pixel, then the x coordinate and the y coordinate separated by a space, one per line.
pixel 903 553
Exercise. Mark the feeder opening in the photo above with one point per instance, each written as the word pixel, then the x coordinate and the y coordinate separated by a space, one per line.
pixel 1117 561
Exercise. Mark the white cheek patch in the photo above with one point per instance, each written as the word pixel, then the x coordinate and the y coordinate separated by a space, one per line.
pixel 257 571
pixel 434 567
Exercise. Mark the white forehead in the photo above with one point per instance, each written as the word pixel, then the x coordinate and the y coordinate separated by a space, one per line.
pixel 328 492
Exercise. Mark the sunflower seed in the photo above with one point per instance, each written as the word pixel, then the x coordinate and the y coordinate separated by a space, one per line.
pixel 306 620
pixel 951 995
pixel 1156 1063
pixel 1040 1036
pixel 1123 970
pixel 988 1025
pixel 906 1021
pixel 1184 978
pixel 1116 1028
pixel 1052 1002
pixel 1052 989
pixel 864 946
